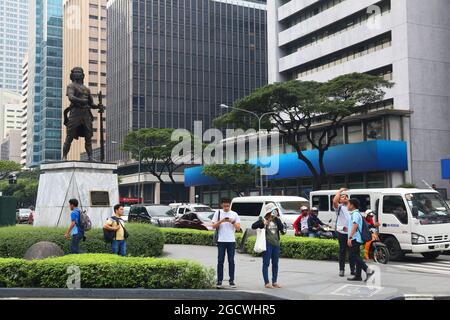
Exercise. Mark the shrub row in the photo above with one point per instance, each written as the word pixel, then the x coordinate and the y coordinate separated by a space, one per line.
pixel 303 248
pixel 144 241
pixel 192 237
pixel 105 271
pixel 291 247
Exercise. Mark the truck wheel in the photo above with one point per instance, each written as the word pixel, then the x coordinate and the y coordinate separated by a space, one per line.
pixel 431 255
pixel 395 252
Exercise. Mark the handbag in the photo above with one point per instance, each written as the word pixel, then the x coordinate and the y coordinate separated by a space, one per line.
pixel 260 244
pixel 216 233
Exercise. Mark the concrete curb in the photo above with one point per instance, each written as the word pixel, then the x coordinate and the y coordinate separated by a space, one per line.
pixel 133 294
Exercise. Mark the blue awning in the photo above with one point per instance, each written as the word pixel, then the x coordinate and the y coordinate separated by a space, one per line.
pixel 361 157
pixel 445 169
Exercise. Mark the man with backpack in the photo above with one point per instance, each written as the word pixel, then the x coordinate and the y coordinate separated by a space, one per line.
pixel 75 230
pixel 357 235
pixel 115 232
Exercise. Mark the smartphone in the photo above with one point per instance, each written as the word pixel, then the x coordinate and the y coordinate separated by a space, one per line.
pixel 227 219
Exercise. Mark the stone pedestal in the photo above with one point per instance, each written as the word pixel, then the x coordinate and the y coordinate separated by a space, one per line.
pixel 94 185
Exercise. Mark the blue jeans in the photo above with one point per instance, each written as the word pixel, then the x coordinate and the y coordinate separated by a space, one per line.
pixel 119 247
pixel 230 249
pixel 313 234
pixel 75 244
pixel 272 253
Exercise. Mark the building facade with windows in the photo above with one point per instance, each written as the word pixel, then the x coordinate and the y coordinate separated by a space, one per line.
pixel 45 82
pixel 405 41
pixel 13 42
pixel 24 119
pixel 84 45
pixel 171 63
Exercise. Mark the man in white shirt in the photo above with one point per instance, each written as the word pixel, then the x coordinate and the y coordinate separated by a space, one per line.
pixel 340 203
pixel 227 222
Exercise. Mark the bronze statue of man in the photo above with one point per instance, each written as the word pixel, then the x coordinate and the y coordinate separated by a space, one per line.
pixel 78 117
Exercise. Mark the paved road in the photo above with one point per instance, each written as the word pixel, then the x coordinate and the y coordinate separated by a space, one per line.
pixel 304 279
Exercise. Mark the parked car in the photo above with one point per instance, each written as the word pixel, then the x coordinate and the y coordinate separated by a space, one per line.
pixel 196 208
pixel 193 220
pixel 158 215
pixel 23 215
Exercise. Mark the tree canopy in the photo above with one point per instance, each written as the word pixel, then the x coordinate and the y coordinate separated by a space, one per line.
pixel 297 107
pixel 238 177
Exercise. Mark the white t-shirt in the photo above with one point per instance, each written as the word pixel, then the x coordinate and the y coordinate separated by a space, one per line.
pixel 342 219
pixel 227 230
pixel 304 223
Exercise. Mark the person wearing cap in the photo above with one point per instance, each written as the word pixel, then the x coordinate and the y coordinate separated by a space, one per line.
pixel 369 217
pixel 314 223
pixel 301 223
pixel 340 202
pixel 274 227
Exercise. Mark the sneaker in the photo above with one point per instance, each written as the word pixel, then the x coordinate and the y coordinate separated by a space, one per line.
pixel 369 273
pixel 355 278
pixel 219 285
pixel 341 273
pixel 232 285
pixel 353 272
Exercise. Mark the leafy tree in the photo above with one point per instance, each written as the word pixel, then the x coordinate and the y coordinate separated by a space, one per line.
pixel 407 186
pixel 155 146
pixel 25 191
pixel 237 177
pixel 8 167
pixel 297 106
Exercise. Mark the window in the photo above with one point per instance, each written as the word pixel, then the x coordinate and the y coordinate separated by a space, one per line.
pixel 364 201
pixel 396 206
pixel 374 130
pixel 321 202
pixel 354 133
pixel 247 209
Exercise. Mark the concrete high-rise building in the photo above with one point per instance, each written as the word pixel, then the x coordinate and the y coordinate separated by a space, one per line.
pixel 84 45
pixel 45 82
pixel 10 146
pixel 24 128
pixel 406 41
pixel 13 42
pixel 171 63
pixel 10 112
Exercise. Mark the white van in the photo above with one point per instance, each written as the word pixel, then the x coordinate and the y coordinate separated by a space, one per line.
pixel 250 209
pixel 412 220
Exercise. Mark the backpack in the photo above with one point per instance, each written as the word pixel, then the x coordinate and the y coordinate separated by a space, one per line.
pixel 109 235
pixel 85 221
pixel 366 235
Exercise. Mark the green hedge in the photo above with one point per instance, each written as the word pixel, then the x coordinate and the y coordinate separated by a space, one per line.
pixel 303 248
pixel 144 241
pixel 106 271
pixel 192 237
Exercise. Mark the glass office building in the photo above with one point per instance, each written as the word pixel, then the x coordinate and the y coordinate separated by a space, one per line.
pixel 173 62
pixel 45 82
pixel 13 42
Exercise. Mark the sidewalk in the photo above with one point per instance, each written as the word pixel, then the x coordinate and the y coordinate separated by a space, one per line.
pixel 306 279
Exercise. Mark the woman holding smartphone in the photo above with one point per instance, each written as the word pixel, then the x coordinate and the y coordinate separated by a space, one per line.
pixel 273 227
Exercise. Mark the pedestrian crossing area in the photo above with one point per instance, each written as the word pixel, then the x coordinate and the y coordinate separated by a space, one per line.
pixel 435 267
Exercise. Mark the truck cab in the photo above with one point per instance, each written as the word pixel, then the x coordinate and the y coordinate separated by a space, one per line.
pixel 412 220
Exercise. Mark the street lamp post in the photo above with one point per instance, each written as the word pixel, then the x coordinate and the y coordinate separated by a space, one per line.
pixel 260 118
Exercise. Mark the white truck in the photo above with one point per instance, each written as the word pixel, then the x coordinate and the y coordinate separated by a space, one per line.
pixel 412 220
